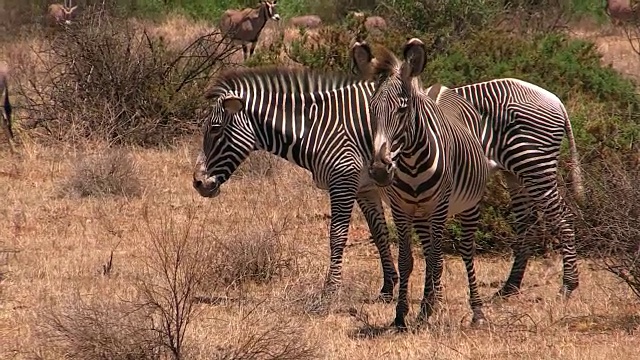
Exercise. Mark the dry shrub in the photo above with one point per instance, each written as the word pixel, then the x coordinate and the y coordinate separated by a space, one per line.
pixel 253 254
pixel 154 322
pixel 280 340
pixel 259 164
pixel 101 330
pixel 108 172
pixel 609 222
pixel 115 82
pixel 179 259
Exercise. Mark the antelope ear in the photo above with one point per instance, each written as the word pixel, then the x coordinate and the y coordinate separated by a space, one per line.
pixel 361 57
pixel 232 104
pixel 415 57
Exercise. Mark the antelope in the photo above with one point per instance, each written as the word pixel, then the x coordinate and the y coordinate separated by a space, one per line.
pixel 5 119
pixel 59 13
pixel 246 25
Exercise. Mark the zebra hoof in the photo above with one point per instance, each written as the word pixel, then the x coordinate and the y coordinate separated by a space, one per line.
pixel 384 298
pixel 505 293
pixel 478 322
pixel 565 292
pixel 400 324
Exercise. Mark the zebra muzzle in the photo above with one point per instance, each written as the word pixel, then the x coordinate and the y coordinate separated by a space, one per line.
pixel 207 187
pixel 381 173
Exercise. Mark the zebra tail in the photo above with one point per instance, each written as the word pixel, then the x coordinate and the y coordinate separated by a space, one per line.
pixel 575 174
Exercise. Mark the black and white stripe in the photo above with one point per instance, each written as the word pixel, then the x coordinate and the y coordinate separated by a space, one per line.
pixel 317 121
pixel 432 166
pixel 521 130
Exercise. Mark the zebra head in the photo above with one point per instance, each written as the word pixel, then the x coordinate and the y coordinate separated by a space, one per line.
pixel 391 107
pixel 228 141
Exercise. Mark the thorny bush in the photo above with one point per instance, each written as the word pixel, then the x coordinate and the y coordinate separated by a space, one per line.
pixel 608 225
pixel 105 78
pixel 108 172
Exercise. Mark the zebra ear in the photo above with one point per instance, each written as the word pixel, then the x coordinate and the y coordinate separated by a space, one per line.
pixel 233 104
pixel 415 57
pixel 361 57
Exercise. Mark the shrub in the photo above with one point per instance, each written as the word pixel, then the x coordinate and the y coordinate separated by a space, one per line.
pixel 101 330
pixel 117 83
pixel 608 225
pixel 179 256
pixel 109 172
pixel 454 19
pixel 279 340
pixel 253 255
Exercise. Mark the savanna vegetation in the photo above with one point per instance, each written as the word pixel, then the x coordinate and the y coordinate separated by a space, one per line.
pixel 107 252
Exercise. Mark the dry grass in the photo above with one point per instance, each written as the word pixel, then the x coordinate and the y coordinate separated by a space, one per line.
pixel 270 227
pixel 64 242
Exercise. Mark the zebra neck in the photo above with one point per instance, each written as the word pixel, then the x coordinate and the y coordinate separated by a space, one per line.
pixel 420 140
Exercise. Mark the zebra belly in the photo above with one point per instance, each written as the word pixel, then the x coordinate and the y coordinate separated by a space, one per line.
pixel 459 203
pixel 423 207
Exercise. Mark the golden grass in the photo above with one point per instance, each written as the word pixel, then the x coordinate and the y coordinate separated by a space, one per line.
pixel 62 243
pixel 53 248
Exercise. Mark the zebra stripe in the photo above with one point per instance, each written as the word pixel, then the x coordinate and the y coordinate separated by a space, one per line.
pixel 521 131
pixel 317 121
pixel 433 166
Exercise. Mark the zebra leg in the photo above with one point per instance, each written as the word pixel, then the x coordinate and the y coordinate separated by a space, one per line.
pixel 371 207
pixel 565 229
pixel 432 249
pixel 544 196
pixel 524 222
pixel 469 222
pixel 342 197
pixel 405 266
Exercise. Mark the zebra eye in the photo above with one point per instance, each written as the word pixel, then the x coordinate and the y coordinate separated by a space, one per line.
pixel 403 106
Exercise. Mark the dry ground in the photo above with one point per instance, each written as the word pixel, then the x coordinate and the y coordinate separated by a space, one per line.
pixel 63 241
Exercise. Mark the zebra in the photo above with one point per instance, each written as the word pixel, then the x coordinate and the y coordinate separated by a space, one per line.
pixel 316 120
pixel 432 166
pixel 521 130
pixel 506 106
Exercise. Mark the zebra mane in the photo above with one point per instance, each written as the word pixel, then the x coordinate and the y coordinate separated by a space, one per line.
pixel 280 79
pixel 384 64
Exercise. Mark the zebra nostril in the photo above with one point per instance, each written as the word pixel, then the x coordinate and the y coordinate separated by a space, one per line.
pixel 197 183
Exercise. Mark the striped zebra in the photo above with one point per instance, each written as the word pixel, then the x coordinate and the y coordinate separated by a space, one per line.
pixel 521 132
pixel 317 121
pixel 510 111
pixel 431 164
